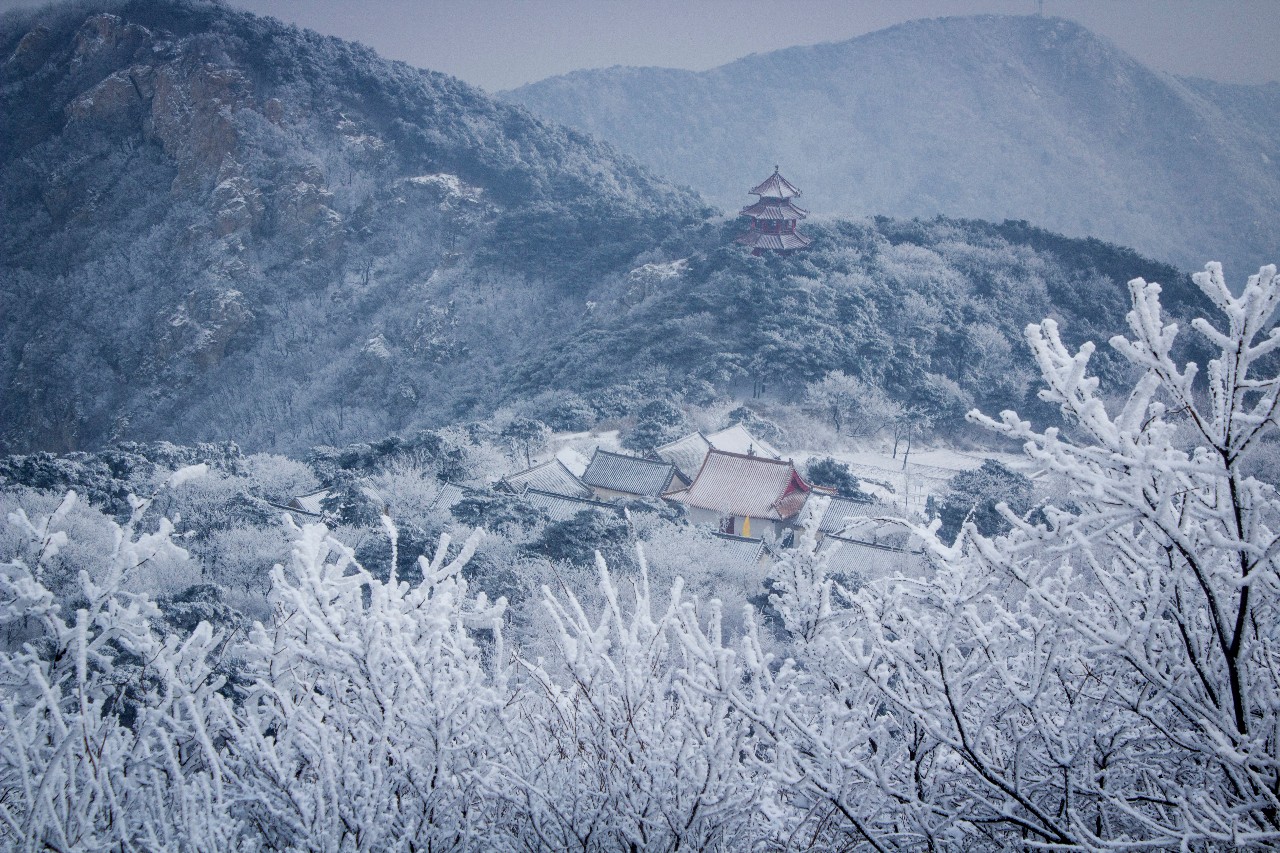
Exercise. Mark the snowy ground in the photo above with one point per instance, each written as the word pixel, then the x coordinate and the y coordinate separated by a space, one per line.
pixel 907 481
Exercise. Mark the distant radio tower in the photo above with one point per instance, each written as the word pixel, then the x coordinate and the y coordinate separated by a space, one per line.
pixel 1040 8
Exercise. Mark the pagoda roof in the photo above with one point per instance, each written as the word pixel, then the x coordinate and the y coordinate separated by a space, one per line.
pixel 774 208
pixel 776 186
pixel 759 240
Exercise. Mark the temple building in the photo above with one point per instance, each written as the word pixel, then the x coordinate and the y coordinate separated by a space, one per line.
pixel 774 217
pixel 746 496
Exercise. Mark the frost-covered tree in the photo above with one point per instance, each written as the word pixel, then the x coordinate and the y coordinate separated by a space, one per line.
pixel 800 582
pixel 657 422
pixel 835 474
pixel 632 747
pixel 526 437
pixel 1107 679
pixel 973 496
pixel 370 724
pixel 107 726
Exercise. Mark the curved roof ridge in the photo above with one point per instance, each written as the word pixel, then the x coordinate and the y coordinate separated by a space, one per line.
pixel 775 186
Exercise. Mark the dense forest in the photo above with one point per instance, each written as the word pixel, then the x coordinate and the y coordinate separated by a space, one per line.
pixel 932 312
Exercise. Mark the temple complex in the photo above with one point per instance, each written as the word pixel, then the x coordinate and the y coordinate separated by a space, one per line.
pixel 774 217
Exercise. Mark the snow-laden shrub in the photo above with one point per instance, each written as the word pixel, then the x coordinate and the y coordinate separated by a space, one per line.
pixel 372 720
pixel 632 747
pixel 107 727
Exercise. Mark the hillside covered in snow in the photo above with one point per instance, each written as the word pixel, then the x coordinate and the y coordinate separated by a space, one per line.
pixel 221 228
pixel 215 224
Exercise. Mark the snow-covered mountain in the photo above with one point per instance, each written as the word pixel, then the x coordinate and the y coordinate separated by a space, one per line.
pixel 990 117
pixel 216 225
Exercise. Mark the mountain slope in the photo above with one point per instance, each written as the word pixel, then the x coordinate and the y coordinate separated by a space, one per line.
pixel 931 312
pixel 216 226
pixel 988 117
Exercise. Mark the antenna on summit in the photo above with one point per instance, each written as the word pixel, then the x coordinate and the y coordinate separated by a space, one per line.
pixel 1040 8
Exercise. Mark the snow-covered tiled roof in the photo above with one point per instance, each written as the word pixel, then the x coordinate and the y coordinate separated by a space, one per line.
pixel 841 512
pixel 740 485
pixel 562 507
pixel 550 476
pixel 629 474
pixel 447 495
pixel 775 186
pixel 741 548
pixel 867 562
pixel 686 453
pixel 310 504
pixel 736 439
pixel 875 529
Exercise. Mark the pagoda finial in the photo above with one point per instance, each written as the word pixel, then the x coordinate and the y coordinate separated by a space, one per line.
pixel 775 168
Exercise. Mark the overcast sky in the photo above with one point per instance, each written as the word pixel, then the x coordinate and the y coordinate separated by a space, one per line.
pixel 498 44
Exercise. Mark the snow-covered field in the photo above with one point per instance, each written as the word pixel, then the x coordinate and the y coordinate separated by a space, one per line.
pixel 907 481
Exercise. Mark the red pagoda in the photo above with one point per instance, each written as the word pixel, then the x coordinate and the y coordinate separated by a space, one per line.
pixel 774 218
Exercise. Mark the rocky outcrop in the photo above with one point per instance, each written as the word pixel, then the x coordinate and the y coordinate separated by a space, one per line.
pixel 119 103
pixel 238 203
pixel 193 115
pixel 108 37
pixel 30 53
pixel 201 328
pixel 303 213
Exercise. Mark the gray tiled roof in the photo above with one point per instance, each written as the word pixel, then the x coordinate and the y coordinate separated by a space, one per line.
pixel 310 504
pixel 842 512
pixel 629 474
pixel 448 495
pixel 563 508
pixel 745 550
pixel 867 562
pixel 551 477
pixel 686 453
pixel 876 530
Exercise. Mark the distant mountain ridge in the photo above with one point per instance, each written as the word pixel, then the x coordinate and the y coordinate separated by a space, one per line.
pixel 988 117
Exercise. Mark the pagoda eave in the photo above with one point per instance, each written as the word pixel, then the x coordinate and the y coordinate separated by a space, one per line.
pixel 775 242
pixel 773 209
